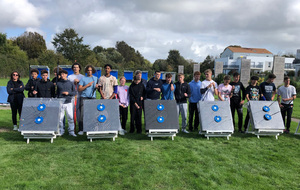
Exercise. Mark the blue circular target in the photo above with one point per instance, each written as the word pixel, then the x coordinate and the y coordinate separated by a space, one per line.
pixel 215 108
pixel 160 107
pixel 101 118
pixel 41 107
pixel 160 119
pixel 218 119
pixel 39 120
pixel 266 108
pixel 101 107
pixel 267 117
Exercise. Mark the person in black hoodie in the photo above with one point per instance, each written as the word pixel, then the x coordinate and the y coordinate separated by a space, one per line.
pixel 153 87
pixel 31 84
pixel 136 93
pixel 44 88
pixel 182 92
pixel 15 90
pixel 237 99
pixel 66 89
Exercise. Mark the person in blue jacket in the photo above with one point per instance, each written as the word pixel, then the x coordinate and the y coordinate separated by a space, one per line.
pixel 196 96
pixel 15 90
pixel 167 89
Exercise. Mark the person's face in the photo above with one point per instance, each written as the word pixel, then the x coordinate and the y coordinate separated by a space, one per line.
pixel 236 78
pixel 107 70
pixel 181 78
pixel 157 76
pixel 253 82
pixel 168 80
pixel 271 80
pixel 89 71
pixel 287 82
pixel 45 76
pixel 226 82
pixel 208 75
pixel 76 68
pixel 122 82
pixel 139 76
pixel 64 76
pixel 197 77
pixel 15 76
pixel 34 75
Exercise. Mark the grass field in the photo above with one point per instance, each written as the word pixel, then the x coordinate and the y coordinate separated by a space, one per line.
pixel 134 162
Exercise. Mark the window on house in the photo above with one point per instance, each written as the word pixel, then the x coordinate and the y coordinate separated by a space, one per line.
pixel 269 64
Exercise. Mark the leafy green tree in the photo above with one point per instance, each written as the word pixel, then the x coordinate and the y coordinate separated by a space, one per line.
pixel 70 45
pixel 208 63
pixel 31 42
pixel 2 39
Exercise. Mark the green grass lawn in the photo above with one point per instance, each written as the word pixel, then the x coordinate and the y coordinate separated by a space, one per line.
pixel 134 162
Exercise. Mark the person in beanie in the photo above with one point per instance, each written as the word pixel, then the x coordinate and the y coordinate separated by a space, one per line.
pixel 66 89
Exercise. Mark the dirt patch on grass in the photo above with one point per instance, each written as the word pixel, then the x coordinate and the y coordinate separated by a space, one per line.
pixel 2 130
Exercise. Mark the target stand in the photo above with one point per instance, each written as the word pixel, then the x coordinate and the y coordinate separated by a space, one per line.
pixel 101 118
pixel 265 119
pixel 296 132
pixel 40 118
pixel 215 119
pixel 161 118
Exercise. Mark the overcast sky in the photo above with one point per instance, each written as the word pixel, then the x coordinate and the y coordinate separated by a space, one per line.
pixel 196 28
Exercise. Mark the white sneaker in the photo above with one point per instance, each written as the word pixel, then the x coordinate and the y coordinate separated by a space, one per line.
pixel 80 133
pixel 121 132
pixel 15 128
pixel 185 131
pixel 73 134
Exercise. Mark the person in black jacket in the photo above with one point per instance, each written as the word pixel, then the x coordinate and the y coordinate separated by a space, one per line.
pixel 237 99
pixel 15 89
pixel 66 89
pixel 44 88
pixel 31 84
pixel 153 87
pixel 182 92
pixel 136 93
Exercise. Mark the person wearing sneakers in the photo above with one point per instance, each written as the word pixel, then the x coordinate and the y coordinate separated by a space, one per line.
pixel 66 89
pixel 287 93
pixel 87 87
pixel 182 92
pixel 44 88
pixel 123 96
pixel 75 78
pixel 15 90
pixel 208 87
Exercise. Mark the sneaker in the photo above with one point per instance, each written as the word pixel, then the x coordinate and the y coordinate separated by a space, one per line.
pixel 185 131
pixel 72 134
pixel 121 132
pixel 80 133
pixel 286 131
pixel 15 128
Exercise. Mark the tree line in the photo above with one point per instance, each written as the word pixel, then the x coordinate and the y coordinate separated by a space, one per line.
pixel 20 52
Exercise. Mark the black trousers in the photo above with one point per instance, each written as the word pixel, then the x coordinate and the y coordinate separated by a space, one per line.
pixel 193 110
pixel 123 116
pixel 287 111
pixel 135 119
pixel 239 109
pixel 16 107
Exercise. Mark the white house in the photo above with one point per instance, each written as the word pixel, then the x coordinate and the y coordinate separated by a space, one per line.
pixel 261 59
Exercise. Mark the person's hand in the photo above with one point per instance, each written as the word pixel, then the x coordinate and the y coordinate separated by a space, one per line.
pixel 32 87
pixel 185 94
pixel 172 87
pixel 142 98
pixel 242 102
pixel 157 89
pixel 97 86
pixel 214 85
pixel 281 106
pixel 76 81
pixel 285 99
pixel 11 89
pixel 233 87
pixel 20 86
pixel 90 84
pixel 65 93
pixel 137 106
pixel 34 92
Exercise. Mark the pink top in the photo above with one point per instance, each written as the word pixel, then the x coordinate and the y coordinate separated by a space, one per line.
pixel 123 95
pixel 225 91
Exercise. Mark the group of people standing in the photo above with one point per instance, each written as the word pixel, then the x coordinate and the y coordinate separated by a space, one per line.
pixel 77 87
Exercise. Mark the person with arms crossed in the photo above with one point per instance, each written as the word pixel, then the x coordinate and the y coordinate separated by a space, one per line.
pixel 287 93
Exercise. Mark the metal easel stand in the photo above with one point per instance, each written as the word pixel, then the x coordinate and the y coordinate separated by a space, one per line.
pixel 101 134
pixel 38 135
pixel 262 132
pixel 162 133
pixel 296 132
pixel 208 134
